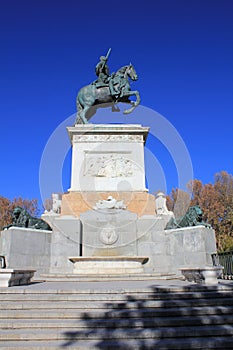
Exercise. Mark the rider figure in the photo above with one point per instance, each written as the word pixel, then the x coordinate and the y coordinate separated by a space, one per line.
pixel 104 78
pixel 102 72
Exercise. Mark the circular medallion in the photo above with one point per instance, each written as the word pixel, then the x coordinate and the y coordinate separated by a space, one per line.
pixel 108 235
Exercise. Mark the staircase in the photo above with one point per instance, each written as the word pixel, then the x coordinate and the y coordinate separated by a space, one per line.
pixel 123 317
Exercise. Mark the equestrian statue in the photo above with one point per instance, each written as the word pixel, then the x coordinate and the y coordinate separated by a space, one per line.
pixel 108 88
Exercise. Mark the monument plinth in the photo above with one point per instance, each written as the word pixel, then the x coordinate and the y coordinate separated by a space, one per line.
pixel 107 159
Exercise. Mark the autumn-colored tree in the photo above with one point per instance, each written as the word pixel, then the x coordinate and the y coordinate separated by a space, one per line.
pixel 7 206
pixel 216 202
pixel 195 188
pixel 5 212
pixel 179 202
pixel 169 202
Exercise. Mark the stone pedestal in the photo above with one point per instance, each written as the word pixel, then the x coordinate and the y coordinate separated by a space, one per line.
pixel 40 250
pixel 107 157
pixel 26 248
pixel 191 246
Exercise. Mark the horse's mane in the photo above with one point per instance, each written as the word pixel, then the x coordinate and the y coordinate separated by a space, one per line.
pixel 122 70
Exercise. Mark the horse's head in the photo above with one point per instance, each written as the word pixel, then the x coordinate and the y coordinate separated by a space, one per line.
pixel 131 72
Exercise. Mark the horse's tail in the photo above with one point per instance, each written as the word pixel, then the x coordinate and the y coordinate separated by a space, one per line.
pixel 79 110
pixel 85 99
pixel 79 104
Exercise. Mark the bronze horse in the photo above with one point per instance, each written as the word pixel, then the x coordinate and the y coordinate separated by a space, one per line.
pixel 90 95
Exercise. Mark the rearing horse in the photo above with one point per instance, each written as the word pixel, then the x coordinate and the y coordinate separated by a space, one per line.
pixel 90 95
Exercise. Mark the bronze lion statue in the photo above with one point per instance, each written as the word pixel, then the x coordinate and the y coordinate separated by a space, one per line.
pixel 193 217
pixel 21 218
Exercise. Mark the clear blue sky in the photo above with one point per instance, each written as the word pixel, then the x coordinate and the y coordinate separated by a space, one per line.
pixel 182 51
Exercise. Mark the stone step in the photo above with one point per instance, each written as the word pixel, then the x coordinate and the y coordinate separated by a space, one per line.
pixel 166 321
pixel 114 304
pixel 102 333
pixel 114 287
pixel 56 277
pixel 130 344
pixel 117 313
pixel 76 296
pixel 116 316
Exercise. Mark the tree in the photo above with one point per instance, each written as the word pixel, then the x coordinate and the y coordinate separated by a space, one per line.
pixel 7 206
pixel 224 188
pixel 179 202
pixel 5 212
pixel 195 188
pixel 216 202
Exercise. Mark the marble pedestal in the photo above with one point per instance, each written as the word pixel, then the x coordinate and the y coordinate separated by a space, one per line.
pixel 107 159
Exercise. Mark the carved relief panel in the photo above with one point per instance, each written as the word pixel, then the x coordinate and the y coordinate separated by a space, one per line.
pixel 108 165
